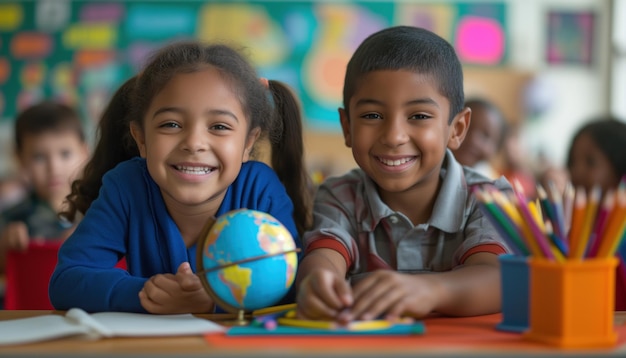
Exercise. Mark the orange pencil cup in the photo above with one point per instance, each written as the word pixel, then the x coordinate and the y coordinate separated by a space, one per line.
pixel 571 303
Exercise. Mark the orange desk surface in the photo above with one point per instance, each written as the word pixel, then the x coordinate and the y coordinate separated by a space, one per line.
pixel 474 336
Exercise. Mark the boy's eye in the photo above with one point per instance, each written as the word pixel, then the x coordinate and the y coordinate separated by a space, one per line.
pixel 219 127
pixel 65 154
pixel 39 157
pixel 419 116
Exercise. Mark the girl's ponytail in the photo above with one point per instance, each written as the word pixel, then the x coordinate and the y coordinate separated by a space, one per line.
pixel 114 145
pixel 288 152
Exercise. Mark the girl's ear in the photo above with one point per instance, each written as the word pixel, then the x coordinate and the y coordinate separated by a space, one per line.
pixel 252 138
pixel 458 128
pixel 345 127
pixel 137 133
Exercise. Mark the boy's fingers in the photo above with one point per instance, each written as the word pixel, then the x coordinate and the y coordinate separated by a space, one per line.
pixel 344 293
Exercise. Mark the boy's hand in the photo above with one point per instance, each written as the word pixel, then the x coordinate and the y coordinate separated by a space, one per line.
pixel 15 236
pixel 180 293
pixel 324 295
pixel 393 295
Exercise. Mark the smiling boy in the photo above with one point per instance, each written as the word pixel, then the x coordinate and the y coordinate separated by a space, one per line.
pixel 401 235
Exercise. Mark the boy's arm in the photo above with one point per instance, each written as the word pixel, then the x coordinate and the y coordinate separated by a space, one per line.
pixel 470 289
pixel 322 258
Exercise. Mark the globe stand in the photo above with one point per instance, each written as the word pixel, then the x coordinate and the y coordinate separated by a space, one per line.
pixel 241 320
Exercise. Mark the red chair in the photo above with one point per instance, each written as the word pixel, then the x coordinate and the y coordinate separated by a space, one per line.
pixel 28 275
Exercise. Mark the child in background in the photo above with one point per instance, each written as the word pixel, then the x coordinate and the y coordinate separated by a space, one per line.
pixel 404 227
pixel 484 137
pixel 196 112
pixel 51 149
pixel 597 157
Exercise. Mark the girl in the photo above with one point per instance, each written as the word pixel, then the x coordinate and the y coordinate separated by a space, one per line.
pixel 596 157
pixel 195 113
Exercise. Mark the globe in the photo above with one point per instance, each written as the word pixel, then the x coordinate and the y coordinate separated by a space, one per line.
pixel 247 260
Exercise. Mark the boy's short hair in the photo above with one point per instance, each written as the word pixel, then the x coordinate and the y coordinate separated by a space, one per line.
pixel 46 116
pixel 413 49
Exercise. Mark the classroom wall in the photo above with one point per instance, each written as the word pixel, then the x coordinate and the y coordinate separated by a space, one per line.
pixel 570 93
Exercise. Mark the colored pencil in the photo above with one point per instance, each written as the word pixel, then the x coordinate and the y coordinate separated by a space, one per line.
pixel 578 216
pixel 559 221
pixel 556 241
pixel 615 226
pixel 538 236
pixel 591 212
pixel 600 223
pixel 501 223
pixel 510 206
pixel 568 207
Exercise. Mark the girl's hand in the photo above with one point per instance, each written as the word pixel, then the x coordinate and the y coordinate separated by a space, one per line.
pixel 180 293
pixel 393 295
pixel 324 295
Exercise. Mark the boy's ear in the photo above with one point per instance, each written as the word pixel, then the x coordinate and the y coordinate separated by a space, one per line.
pixel 458 128
pixel 139 138
pixel 345 127
pixel 252 138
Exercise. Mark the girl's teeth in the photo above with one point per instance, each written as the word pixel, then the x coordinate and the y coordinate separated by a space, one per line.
pixel 194 170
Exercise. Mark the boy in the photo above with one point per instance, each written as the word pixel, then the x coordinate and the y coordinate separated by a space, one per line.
pixel 403 227
pixel 484 137
pixel 50 147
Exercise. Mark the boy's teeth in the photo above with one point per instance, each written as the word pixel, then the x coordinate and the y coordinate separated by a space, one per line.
pixel 193 170
pixel 394 162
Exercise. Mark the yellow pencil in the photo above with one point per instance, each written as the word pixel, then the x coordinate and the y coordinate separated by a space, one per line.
pixel 513 212
pixel 587 227
pixel 616 223
pixel 534 209
pixel 273 309
pixel 314 324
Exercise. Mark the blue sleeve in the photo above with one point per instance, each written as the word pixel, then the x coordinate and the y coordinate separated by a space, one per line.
pixel 85 275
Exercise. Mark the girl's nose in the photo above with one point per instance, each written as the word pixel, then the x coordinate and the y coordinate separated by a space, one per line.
pixel 195 140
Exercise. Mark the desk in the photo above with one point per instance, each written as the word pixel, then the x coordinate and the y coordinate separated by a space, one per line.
pixel 198 346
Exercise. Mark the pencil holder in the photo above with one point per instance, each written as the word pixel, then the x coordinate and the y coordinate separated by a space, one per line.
pixel 571 303
pixel 514 286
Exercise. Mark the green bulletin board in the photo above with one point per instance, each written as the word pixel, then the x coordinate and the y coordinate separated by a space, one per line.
pixel 80 51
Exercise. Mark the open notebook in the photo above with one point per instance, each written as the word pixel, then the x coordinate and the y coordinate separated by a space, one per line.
pixel 102 324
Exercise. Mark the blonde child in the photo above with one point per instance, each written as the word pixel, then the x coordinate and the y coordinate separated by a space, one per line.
pixel 196 112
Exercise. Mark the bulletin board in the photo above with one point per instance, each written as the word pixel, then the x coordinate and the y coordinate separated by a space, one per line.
pixel 81 51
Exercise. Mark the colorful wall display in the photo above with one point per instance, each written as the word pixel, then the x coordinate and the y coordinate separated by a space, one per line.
pixel 81 50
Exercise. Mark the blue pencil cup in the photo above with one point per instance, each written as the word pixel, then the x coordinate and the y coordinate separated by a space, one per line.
pixel 514 274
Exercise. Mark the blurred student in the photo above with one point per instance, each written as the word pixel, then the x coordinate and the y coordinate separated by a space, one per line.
pixel 196 112
pixel 50 147
pixel 402 235
pixel 484 137
pixel 597 156
pixel 513 161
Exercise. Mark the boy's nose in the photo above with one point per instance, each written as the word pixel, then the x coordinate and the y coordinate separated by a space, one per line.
pixel 394 133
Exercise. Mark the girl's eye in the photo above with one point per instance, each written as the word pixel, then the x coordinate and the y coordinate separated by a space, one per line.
pixel 170 125
pixel 371 116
